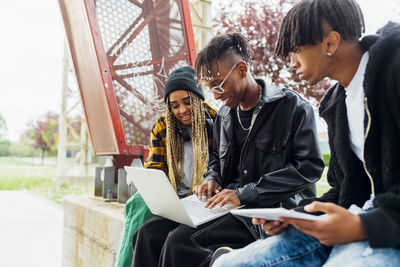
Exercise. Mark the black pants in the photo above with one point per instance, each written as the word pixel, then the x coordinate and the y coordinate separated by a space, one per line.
pixel 162 242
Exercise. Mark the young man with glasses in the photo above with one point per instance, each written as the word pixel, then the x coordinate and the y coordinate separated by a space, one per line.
pixel 265 154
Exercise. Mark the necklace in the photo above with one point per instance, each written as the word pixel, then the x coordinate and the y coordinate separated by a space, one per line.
pixel 253 117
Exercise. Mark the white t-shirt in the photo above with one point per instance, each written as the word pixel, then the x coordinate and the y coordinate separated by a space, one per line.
pixel 187 165
pixel 355 108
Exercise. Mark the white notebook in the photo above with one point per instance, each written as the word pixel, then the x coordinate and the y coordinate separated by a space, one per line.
pixel 162 200
pixel 273 214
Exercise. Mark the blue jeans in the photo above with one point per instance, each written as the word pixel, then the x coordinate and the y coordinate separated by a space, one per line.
pixel 294 248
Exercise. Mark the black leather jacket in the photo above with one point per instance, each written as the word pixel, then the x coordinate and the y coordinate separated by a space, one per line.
pixel 280 159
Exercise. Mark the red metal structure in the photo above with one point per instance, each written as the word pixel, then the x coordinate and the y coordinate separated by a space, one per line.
pixel 123 51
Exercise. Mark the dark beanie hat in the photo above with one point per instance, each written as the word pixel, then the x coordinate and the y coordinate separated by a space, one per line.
pixel 182 79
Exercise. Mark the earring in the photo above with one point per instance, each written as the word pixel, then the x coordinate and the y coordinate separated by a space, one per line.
pixel 329 54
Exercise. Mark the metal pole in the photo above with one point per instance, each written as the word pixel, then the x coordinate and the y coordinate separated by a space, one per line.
pixel 62 120
pixel 201 18
pixel 84 151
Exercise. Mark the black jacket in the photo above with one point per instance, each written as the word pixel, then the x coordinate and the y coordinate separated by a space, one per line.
pixel 280 158
pixel 347 175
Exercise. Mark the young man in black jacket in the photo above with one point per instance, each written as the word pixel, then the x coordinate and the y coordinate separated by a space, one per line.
pixel 362 111
pixel 265 155
pixel 265 140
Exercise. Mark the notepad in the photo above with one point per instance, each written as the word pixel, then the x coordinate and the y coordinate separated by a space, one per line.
pixel 272 214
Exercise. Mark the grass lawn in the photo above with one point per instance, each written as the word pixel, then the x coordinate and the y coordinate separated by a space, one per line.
pixel 322 184
pixel 321 189
pixel 18 174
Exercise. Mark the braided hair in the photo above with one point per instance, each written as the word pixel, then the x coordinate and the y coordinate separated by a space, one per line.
pixel 304 23
pixel 219 48
pixel 175 148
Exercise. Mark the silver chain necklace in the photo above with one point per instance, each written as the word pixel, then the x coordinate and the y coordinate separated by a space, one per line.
pixel 253 117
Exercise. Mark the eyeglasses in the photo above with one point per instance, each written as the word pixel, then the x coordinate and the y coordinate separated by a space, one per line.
pixel 218 89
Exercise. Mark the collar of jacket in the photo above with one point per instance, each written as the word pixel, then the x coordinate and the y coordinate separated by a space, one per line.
pixel 391 28
pixel 333 95
pixel 271 93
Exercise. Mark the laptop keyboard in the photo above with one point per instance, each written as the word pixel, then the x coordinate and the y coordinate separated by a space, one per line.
pixel 197 212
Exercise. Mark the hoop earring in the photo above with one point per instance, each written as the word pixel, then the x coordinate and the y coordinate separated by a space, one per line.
pixel 329 54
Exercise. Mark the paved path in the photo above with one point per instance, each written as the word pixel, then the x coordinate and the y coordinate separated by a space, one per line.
pixel 30 230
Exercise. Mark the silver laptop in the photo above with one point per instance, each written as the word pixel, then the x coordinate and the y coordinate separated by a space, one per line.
pixel 162 200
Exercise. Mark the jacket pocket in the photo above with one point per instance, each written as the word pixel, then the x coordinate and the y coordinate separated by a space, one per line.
pixel 270 151
pixel 271 144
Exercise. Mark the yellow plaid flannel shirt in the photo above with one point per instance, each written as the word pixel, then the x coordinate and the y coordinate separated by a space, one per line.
pixel 157 149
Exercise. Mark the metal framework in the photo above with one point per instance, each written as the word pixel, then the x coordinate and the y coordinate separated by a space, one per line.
pixel 201 18
pixel 123 51
pixel 70 106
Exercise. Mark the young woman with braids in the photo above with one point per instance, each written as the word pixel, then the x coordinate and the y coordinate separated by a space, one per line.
pixel 180 141
pixel 179 138
pixel 265 158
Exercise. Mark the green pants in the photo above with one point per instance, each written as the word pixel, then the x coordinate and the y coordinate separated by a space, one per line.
pixel 136 213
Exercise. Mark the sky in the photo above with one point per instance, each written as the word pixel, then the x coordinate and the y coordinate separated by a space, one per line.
pixel 31 48
pixel 32 45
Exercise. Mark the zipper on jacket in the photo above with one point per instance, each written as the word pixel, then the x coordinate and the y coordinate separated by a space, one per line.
pixel 244 144
pixel 365 140
pixel 240 158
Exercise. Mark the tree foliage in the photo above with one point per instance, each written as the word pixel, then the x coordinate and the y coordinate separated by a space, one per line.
pixel 3 128
pixel 42 134
pixel 4 144
pixel 259 21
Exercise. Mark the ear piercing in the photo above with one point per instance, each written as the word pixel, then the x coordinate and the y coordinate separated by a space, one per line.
pixel 329 54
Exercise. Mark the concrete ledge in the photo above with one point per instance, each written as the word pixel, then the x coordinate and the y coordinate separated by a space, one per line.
pixel 92 231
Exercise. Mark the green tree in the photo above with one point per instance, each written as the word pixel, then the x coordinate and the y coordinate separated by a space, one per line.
pixel 42 134
pixel 5 148
pixel 3 128
pixel 4 144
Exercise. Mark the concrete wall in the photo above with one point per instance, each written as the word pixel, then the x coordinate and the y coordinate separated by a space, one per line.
pixel 92 231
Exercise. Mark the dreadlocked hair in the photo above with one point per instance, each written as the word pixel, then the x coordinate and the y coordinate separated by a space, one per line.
pixel 175 149
pixel 220 47
pixel 303 24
